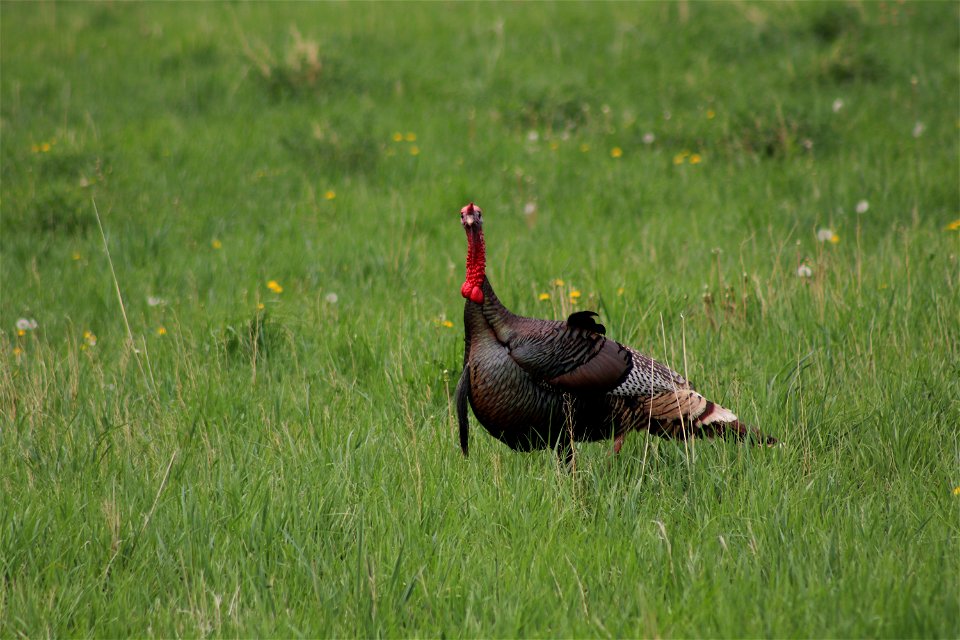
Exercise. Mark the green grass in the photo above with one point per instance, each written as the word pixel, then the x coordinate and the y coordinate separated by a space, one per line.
pixel 293 469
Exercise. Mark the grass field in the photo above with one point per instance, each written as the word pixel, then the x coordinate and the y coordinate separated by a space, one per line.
pixel 262 444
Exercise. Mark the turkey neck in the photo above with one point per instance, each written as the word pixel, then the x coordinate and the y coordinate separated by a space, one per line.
pixel 490 316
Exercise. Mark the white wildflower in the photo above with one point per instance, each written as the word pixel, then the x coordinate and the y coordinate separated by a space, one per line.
pixel 530 208
pixel 824 235
pixel 331 298
pixel 918 129
pixel 532 136
pixel 837 105
pixel 26 324
pixel 862 206
pixel 648 138
pixel 155 301
pixel 803 271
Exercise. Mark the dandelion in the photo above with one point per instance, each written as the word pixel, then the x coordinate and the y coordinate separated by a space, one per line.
pixel 648 138
pixel 918 129
pixel 90 338
pixel 558 282
pixel 447 324
pixel 616 152
pixel 76 256
pixel 803 271
pixel 42 147
pixel 155 301
pixel 953 226
pixel 17 351
pixel 330 194
pixel 574 295
pixel 161 331
pixel 554 145
pixel 827 235
pixel 837 105
pixel 398 137
pixel 216 244
pixel 530 208
pixel 543 297
pixel 331 298
pixel 414 150
pixel 620 291
pixel 26 324
pixel 695 158
pixel 274 286
pixel 410 137
pixel 584 147
pixel 956 491
pixel 711 114
pixel 261 306
pixel 680 157
pixel 863 206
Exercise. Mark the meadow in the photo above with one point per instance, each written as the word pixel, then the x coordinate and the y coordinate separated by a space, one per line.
pixel 260 441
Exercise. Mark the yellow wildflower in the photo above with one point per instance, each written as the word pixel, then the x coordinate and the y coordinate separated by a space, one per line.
pixel 261 306
pixel 330 194
pixel 447 324
pixel 680 157
pixel 711 114
pixel 76 255
pixel 414 150
pixel 90 338
pixel 695 158
pixel 554 145
pixel 956 491
pixel 558 282
pixel 161 331
pixel 543 296
pixel 834 239
pixel 953 226
pixel 410 137
pixel 216 244
pixel 274 286
pixel 620 291
pixel 17 351
pixel 584 147
pixel 21 332
pixel 574 294
pixel 616 152
pixel 398 137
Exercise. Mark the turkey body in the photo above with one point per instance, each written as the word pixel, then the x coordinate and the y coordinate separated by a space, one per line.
pixel 536 384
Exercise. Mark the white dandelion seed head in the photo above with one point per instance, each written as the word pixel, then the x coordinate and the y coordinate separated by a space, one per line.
pixel 824 235
pixel 530 208
pixel 649 138
pixel 26 324
pixel 837 105
pixel 532 135
pixel 807 144
pixel 155 301
pixel 331 298
pixel 918 129
pixel 803 271
pixel 863 206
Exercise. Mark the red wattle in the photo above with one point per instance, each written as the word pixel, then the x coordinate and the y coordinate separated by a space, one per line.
pixel 477 295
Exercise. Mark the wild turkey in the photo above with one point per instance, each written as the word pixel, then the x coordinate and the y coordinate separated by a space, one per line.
pixel 535 383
